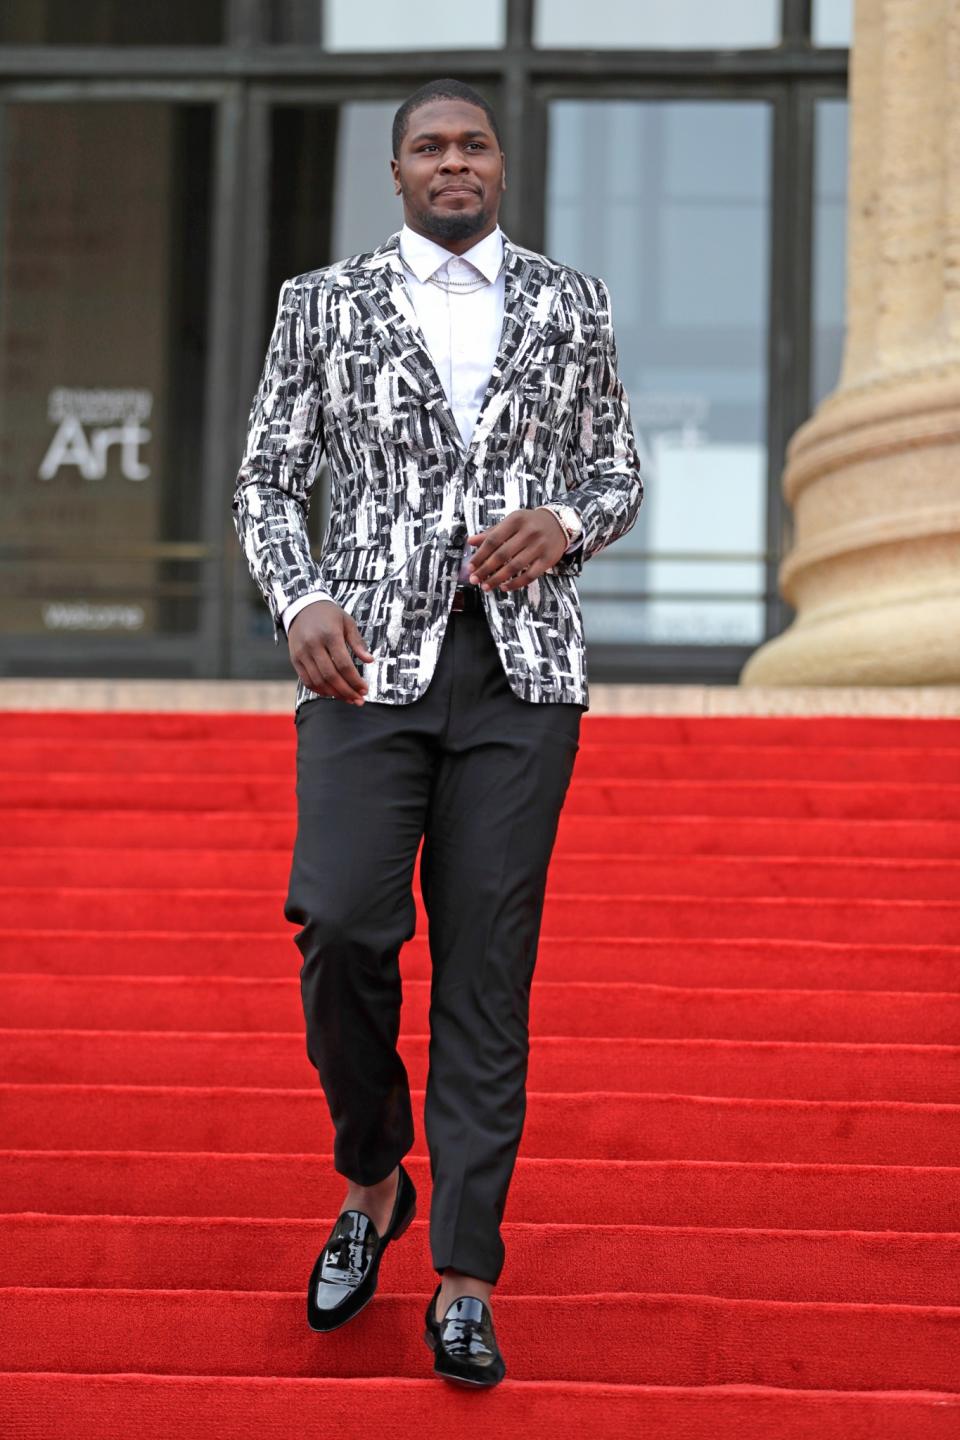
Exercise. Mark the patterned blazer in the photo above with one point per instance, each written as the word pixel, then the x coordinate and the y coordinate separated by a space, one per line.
pixel 347 374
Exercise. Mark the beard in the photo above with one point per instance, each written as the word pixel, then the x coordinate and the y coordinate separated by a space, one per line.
pixel 453 225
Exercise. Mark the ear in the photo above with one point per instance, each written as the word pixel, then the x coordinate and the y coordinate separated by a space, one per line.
pixel 503 173
pixel 395 172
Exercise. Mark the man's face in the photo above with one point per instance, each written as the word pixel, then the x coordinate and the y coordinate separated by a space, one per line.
pixel 450 171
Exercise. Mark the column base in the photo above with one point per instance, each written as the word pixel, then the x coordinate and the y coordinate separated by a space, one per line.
pixel 904 643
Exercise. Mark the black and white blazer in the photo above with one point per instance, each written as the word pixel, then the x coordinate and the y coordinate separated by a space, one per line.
pixel 347 374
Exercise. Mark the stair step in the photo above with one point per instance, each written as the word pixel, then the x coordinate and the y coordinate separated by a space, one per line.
pixel 589 1125
pixel 799 1070
pixel 223 1253
pixel 669 916
pixel 873 800
pixel 237 760
pixel 234 956
pixel 662 1339
pixel 198 830
pixel 749 1194
pixel 236 1408
pixel 639 1012
pixel 813 731
pixel 609 874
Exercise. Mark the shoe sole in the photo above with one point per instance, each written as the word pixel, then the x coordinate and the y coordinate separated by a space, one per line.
pixel 468 1384
pixel 402 1229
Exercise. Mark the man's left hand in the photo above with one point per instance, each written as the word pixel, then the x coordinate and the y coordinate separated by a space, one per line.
pixel 517 550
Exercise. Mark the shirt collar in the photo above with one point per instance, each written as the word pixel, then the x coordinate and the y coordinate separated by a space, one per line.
pixel 425 256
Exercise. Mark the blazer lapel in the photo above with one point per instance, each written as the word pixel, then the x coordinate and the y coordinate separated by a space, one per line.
pixel 400 334
pixel 529 302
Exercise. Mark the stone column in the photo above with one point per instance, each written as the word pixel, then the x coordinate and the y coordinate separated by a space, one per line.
pixel 873 477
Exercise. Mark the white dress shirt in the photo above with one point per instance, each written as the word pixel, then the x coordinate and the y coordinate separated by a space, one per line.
pixel 460 330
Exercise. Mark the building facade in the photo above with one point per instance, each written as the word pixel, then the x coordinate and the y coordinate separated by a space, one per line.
pixel 163 168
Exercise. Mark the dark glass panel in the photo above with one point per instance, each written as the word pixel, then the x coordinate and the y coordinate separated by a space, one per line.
pixel 111 22
pixel 104 291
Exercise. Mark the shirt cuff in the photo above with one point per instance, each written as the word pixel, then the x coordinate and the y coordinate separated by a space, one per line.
pixel 296 606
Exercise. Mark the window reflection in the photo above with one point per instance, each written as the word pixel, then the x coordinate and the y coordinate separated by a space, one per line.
pixel 331 192
pixel 653 24
pixel 669 203
pixel 829 244
pixel 832 22
pixel 414 25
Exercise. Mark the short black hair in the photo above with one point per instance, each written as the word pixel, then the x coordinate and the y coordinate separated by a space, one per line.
pixel 439 90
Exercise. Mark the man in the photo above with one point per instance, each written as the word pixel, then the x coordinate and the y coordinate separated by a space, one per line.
pixel 478 439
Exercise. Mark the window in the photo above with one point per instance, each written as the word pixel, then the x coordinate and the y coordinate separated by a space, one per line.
pixel 682 190
pixel 654 25
pixel 833 22
pixel 413 25
pixel 829 244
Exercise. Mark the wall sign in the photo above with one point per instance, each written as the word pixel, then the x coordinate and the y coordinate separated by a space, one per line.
pixel 89 423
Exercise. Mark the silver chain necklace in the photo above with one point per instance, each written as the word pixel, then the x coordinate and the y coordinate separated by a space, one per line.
pixel 460 287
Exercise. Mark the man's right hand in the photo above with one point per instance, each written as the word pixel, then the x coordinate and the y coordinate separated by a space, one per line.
pixel 318 639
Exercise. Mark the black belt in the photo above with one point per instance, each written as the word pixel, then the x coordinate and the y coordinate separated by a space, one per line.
pixel 468 598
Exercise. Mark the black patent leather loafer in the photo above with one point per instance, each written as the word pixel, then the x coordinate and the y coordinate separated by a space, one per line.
pixel 464 1344
pixel 344 1278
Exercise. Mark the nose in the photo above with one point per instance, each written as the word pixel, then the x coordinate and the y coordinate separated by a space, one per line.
pixel 454 161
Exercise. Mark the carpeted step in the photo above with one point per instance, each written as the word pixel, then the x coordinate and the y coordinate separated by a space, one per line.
pixel 702 960
pixel 750 1194
pixel 237 760
pixel 662 874
pixel 88 1407
pixel 616 1338
pixel 695 731
pixel 599 1125
pixel 873 800
pixel 670 916
pixel 763 980
pixel 804 1070
pixel 575 1008
pixel 113 830
pixel 161 1252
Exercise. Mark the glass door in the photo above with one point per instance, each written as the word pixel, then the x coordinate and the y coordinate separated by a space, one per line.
pixel 105 227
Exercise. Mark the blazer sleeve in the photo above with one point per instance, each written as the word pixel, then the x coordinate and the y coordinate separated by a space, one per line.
pixel 602 473
pixel 281 459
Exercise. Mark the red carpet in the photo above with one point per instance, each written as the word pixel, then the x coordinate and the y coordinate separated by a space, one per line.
pixel 743 1117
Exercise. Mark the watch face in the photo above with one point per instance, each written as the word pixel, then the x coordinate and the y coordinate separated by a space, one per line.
pixel 571 519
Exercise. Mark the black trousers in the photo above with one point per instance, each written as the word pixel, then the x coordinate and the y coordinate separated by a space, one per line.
pixel 481 776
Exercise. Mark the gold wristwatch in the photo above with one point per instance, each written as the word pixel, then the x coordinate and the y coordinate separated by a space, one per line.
pixel 570 520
